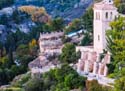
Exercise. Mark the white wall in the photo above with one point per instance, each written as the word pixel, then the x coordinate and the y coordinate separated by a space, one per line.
pixel 100 27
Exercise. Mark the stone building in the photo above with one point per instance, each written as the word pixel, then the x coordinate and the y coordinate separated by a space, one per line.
pixel 91 61
pixel 104 13
pixel 51 43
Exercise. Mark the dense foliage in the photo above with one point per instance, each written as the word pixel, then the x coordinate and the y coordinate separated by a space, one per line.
pixel 59 79
pixel 87 20
pixel 120 4
pixel 116 46
pixel 69 54
pixel 87 39
pixel 116 43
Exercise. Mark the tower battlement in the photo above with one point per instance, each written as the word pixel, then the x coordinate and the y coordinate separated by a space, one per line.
pixel 51 35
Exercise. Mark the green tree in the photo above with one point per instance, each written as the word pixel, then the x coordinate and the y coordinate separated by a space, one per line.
pixel 35 84
pixel 68 53
pixel 74 81
pixel 120 84
pixel 116 43
pixel 22 50
pixel 57 24
pixel 121 8
pixel 117 2
pixel 75 25
pixel 87 20
pixel 87 39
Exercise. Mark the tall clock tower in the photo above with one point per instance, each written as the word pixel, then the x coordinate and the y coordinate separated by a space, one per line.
pixel 104 13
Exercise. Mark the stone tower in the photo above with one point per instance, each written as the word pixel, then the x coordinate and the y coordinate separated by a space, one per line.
pixel 104 13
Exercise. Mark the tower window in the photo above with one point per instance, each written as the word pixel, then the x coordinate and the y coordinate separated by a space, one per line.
pixel 106 15
pixel 98 38
pixel 97 16
pixel 111 15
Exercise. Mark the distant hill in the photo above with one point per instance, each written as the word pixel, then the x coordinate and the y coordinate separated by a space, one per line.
pixel 62 8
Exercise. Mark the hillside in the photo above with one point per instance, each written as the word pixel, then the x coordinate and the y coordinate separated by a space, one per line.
pixel 60 8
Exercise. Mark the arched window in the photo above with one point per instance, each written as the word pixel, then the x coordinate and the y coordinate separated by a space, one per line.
pixel 106 15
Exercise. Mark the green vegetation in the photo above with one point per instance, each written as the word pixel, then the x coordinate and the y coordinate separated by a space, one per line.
pixel 21 54
pixel 116 43
pixel 74 26
pixel 95 86
pixel 59 79
pixel 116 46
pixel 120 4
pixel 87 20
pixel 120 84
pixel 69 54
pixel 87 40
pixel 85 23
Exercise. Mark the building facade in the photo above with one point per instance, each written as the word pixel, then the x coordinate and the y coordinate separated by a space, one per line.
pixel 104 13
pixel 51 43
pixel 91 61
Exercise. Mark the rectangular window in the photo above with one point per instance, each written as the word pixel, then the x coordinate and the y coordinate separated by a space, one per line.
pixel 98 38
pixel 97 16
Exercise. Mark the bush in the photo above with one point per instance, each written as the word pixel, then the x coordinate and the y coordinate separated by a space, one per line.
pixel 20 80
pixel 121 8
pixel 95 86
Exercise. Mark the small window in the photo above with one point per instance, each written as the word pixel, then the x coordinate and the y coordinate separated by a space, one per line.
pixel 98 38
pixel 97 16
pixel 106 15
pixel 111 15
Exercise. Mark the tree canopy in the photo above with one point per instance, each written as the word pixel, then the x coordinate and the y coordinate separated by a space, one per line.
pixel 69 54
pixel 116 46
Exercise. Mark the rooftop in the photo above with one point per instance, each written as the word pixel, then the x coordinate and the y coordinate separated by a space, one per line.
pixel 104 6
pixel 38 62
